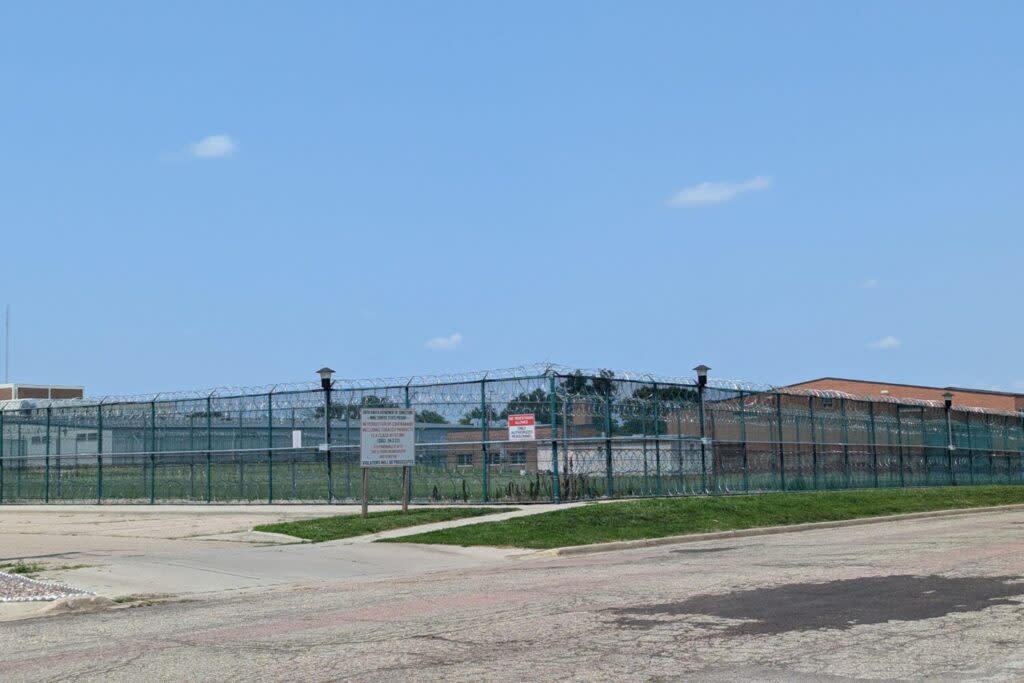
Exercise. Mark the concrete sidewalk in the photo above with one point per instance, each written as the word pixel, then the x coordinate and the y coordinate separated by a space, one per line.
pixel 195 550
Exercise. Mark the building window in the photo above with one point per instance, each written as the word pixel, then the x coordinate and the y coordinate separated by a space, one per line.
pixel 86 436
pixel 517 458
pixel 464 459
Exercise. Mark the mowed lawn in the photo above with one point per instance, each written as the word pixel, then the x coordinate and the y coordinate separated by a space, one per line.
pixel 654 518
pixel 347 526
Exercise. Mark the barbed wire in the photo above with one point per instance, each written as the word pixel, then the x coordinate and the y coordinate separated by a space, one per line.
pixel 448 388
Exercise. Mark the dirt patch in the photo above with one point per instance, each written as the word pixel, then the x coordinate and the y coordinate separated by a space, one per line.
pixel 838 604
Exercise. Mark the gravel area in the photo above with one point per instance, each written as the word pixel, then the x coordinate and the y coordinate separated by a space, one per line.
pixel 17 588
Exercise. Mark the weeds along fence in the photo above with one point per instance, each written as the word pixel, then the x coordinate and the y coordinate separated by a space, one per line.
pixel 598 435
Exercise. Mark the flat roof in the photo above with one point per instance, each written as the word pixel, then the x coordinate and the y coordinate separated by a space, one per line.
pixel 912 386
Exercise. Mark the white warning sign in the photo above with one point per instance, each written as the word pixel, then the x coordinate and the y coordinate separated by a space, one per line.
pixel 387 437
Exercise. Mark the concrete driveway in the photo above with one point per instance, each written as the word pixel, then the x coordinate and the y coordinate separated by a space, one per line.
pixel 935 599
pixel 188 551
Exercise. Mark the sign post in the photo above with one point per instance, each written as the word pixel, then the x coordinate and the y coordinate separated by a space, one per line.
pixel 522 427
pixel 387 438
pixel 405 488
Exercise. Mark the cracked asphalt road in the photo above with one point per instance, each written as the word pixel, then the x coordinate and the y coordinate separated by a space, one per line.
pixel 937 599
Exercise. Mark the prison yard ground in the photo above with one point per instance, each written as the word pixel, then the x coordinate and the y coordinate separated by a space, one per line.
pixel 347 526
pixel 655 518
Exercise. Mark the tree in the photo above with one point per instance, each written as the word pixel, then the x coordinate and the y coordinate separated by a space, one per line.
pixel 592 392
pixel 431 417
pixel 536 402
pixel 672 393
pixel 588 385
pixel 474 416
pixel 340 411
pixel 639 411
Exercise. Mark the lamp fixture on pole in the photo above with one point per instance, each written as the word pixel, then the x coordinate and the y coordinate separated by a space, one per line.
pixel 702 381
pixel 947 399
pixel 325 382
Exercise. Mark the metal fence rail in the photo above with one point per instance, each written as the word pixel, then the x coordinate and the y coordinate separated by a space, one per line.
pixel 598 435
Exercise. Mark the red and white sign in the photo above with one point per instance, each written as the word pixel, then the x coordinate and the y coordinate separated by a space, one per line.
pixel 522 427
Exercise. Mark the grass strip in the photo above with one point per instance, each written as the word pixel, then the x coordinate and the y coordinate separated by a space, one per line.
pixel 23 568
pixel 347 526
pixel 654 518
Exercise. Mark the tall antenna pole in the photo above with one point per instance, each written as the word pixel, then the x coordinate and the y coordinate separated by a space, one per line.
pixel 7 344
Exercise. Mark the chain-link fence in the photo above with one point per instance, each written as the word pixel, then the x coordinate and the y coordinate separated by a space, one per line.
pixel 598 434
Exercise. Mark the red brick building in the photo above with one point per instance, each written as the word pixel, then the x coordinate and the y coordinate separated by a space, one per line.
pixel 13 392
pixel 970 398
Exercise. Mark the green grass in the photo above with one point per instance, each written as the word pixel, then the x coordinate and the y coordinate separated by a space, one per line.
pixel 599 523
pixel 346 526
pixel 23 568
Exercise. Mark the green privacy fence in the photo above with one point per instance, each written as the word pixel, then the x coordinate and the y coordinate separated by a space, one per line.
pixel 599 434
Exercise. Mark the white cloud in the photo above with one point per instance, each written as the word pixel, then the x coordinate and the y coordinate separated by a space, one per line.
pixel 716 192
pixel 213 147
pixel 449 343
pixel 888 342
pixel 870 283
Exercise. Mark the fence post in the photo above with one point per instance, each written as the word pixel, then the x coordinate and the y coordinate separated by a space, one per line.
pixel 209 450
pixel 799 448
pixel 782 452
pixel 19 466
pixel 874 443
pixel 555 493
pixel 846 442
pixel 485 475
pixel 348 443
pixel 60 479
pixel 924 450
pixel 99 453
pixel 408 478
pixel 950 446
pixel 46 476
pixel 970 447
pixel 239 453
pixel 814 443
pixel 743 442
pixel 1019 451
pixel 657 442
pixel 703 448
pixel 192 456
pixel 899 441
pixel 610 486
pixel 328 388
pixel 270 447
pixel 152 452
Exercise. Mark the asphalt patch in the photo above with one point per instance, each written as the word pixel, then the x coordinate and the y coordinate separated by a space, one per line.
pixel 702 551
pixel 840 604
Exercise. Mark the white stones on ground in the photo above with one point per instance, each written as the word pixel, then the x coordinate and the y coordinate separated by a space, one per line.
pixel 17 588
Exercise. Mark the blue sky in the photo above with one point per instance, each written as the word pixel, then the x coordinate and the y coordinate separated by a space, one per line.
pixel 204 194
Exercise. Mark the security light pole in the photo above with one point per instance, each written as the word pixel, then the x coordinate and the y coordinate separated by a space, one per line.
pixel 702 381
pixel 947 399
pixel 325 382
